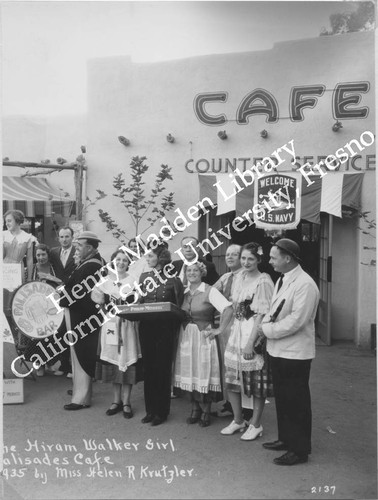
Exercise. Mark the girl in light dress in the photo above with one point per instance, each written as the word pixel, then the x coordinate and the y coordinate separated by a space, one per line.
pixel 119 349
pixel 247 373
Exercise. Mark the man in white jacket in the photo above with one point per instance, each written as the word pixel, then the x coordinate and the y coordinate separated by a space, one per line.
pixel 290 330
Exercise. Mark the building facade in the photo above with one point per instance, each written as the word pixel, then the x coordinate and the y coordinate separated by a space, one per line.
pixel 233 111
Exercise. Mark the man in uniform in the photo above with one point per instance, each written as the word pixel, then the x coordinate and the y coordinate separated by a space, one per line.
pixel 83 315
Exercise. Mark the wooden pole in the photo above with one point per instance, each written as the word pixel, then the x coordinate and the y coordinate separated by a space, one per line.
pixel 26 164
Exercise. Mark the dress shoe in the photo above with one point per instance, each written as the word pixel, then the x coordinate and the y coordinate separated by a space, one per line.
pixel 225 411
pixel 127 411
pixel 114 408
pixel 157 421
pixel 74 406
pixel 147 419
pixel 275 445
pixel 290 458
pixel 204 420
pixel 252 433
pixel 234 427
pixel 195 416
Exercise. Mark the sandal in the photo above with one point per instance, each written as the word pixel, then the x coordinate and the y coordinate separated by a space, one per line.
pixel 195 416
pixel 127 414
pixel 117 408
pixel 205 420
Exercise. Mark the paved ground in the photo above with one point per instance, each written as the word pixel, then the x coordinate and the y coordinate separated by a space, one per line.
pixel 197 463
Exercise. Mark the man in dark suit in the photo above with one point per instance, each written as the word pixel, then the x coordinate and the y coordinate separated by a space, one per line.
pixel 187 250
pixel 62 257
pixel 62 260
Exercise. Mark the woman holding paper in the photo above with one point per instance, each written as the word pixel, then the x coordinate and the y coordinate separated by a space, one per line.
pixel 197 367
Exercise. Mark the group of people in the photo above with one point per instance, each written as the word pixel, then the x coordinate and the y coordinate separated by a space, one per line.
pixel 238 338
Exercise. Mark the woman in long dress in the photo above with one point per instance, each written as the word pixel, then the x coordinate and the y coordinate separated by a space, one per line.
pixel 119 342
pixel 17 243
pixel 247 373
pixel 197 366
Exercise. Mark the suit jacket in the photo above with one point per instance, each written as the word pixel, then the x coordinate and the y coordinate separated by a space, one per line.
pixel 211 277
pixel 292 335
pixel 62 272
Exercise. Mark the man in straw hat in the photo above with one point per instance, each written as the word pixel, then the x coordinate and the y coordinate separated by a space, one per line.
pixel 290 331
pixel 79 310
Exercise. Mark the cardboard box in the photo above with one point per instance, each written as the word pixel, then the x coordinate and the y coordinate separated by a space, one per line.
pixel 13 391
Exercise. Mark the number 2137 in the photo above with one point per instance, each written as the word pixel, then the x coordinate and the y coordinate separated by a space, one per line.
pixel 323 489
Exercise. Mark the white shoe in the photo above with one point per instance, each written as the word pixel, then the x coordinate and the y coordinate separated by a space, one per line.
pixel 69 375
pixel 233 427
pixel 58 373
pixel 252 433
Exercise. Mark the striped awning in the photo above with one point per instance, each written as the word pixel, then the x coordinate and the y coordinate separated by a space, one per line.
pixel 35 196
pixel 336 193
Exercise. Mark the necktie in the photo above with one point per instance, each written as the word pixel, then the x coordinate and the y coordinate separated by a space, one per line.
pixel 227 288
pixel 63 257
pixel 184 278
pixel 280 281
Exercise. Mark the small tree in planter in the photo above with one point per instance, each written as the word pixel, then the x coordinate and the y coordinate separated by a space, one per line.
pixel 132 197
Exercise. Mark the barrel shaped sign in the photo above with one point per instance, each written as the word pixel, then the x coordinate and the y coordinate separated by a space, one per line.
pixel 33 312
pixel 280 195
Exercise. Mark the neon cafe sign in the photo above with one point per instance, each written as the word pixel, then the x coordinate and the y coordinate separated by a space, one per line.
pixel 346 98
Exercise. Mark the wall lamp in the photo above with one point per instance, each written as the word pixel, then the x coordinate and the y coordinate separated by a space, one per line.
pixel 170 138
pixel 222 135
pixel 264 134
pixel 123 140
pixel 337 126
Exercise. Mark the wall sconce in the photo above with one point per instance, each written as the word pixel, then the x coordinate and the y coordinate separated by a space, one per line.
pixel 264 134
pixel 170 138
pixel 337 126
pixel 222 135
pixel 123 140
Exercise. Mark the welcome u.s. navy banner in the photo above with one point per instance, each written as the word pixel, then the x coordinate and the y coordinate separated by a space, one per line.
pixel 333 193
pixel 279 195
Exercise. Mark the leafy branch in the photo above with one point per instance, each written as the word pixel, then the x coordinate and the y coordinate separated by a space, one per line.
pixel 133 198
